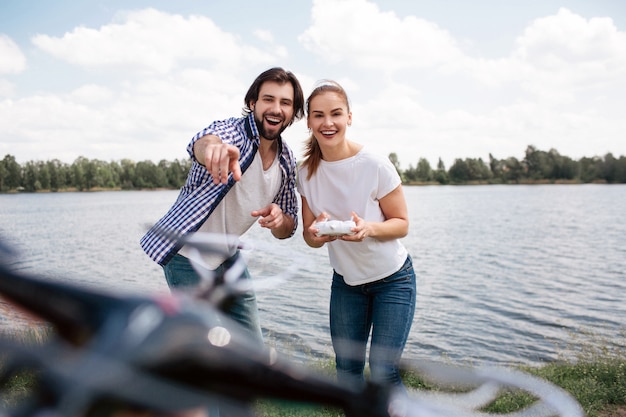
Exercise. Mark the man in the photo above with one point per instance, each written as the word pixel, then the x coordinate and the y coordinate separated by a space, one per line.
pixel 241 171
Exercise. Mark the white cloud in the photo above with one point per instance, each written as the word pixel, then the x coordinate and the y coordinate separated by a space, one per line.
pixel 92 93
pixel 556 86
pixel 7 89
pixel 153 118
pixel 13 60
pixel 558 56
pixel 568 51
pixel 565 48
pixel 567 38
pixel 188 72
pixel 359 33
pixel 155 41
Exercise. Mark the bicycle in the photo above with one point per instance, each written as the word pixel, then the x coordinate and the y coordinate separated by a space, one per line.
pixel 168 353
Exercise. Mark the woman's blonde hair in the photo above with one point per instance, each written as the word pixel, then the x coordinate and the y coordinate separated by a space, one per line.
pixel 312 151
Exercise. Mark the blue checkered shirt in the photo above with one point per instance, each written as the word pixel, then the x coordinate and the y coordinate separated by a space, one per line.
pixel 199 196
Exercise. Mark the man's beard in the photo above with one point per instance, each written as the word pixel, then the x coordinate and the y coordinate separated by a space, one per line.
pixel 264 133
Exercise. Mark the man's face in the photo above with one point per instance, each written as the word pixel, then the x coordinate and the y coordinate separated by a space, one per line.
pixel 273 111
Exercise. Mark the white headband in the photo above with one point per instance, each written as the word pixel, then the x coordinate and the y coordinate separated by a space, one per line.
pixel 322 83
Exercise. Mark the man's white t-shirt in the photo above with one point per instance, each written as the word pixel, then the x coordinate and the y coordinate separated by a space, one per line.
pixel 231 218
pixel 355 184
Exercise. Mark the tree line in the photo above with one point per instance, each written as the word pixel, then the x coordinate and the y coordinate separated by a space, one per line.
pixel 536 166
pixel 91 174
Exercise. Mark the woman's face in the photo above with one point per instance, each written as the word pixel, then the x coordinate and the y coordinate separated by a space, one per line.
pixel 329 118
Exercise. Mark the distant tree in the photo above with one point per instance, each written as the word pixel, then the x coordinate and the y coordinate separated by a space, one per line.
pixel 539 164
pixel 175 172
pixel 620 170
pixel 459 171
pixel 43 175
pixel 440 175
pixel 396 163
pixel 3 177
pixel 112 177
pixel 57 178
pixel 589 168
pixel 478 170
pixel 148 175
pixel 90 171
pixel 495 166
pixel 607 171
pixel 568 169
pixel 423 171
pixel 31 181
pixel 10 174
pixel 77 176
pixel 410 174
pixel 513 170
pixel 127 174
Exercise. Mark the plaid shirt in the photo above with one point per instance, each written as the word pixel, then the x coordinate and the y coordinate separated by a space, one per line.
pixel 199 196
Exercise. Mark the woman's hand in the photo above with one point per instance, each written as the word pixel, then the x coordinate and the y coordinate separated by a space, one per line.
pixel 311 237
pixel 361 231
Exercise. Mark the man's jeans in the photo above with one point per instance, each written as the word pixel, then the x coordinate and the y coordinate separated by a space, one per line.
pixel 180 273
pixel 385 307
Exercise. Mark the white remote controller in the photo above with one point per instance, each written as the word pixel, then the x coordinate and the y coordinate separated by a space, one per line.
pixel 334 227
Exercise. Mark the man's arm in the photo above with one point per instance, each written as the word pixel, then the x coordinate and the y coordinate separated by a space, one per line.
pixel 219 158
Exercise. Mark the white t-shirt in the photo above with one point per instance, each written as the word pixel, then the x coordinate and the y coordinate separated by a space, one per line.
pixel 255 190
pixel 355 184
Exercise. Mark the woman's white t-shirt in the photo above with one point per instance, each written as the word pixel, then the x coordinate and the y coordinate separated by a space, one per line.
pixel 355 184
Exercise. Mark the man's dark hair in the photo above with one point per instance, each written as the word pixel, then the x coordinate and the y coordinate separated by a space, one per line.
pixel 280 76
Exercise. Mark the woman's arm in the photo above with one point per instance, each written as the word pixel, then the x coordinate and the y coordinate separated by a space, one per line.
pixel 395 226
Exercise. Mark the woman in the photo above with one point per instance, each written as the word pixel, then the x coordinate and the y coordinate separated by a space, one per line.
pixel 373 287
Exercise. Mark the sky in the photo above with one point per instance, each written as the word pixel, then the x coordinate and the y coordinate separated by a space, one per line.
pixel 433 79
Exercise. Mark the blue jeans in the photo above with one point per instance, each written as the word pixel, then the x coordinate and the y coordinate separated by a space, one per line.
pixel 384 307
pixel 180 273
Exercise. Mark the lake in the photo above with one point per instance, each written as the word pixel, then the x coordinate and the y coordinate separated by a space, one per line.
pixel 506 274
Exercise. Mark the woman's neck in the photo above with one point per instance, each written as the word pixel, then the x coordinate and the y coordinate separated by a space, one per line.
pixel 346 149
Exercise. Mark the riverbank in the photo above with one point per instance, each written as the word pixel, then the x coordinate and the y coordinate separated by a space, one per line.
pixel 518 182
pixel 406 183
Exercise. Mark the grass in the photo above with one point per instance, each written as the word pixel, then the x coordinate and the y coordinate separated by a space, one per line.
pixel 599 386
pixel 16 386
pixel 591 369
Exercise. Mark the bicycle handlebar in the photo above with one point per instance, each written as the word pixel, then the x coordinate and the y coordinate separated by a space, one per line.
pixel 178 339
pixel 189 349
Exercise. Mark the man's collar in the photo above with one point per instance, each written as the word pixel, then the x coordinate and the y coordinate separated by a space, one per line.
pixel 251 130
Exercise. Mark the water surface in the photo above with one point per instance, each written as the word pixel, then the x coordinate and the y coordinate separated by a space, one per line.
pixel 505 273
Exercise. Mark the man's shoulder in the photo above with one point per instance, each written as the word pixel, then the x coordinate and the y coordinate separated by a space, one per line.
pixel 233 122
pixel 227 129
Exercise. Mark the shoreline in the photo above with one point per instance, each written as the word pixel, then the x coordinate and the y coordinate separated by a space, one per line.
pixel 406 184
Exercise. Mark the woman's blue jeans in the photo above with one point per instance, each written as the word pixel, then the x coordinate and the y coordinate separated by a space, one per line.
pixel 179 272
pixel 386 308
